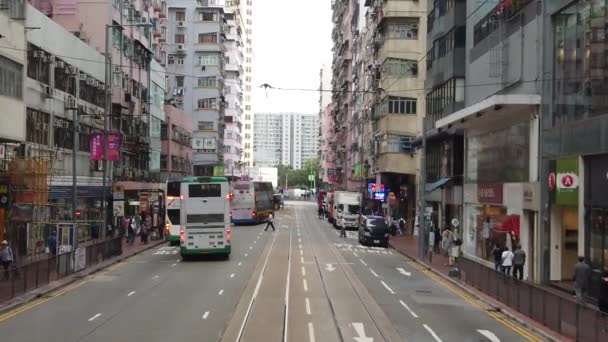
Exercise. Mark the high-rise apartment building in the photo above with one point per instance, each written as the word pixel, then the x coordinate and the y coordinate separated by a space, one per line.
pixel 285 139
pixel 245 16
pixel 196 63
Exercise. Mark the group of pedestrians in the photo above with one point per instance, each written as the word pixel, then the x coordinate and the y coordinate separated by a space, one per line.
pixel 140 224
pixel 506 260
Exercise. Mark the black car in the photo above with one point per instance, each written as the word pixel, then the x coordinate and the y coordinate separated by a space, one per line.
pixel 374 230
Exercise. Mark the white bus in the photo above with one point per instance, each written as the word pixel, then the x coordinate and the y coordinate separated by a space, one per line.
pixel 173 205
pixel 252 202
pixel 205 216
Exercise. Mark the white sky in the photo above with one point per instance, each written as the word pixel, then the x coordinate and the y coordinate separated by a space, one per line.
pixel 291 42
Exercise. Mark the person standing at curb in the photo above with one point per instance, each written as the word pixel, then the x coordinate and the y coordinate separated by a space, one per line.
pixel 582 271
pixel 342 227
pixel 6 255
pixel 507 261
pixel 270 224
pixel 519 260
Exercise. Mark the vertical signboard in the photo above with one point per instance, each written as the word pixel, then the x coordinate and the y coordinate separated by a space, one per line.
pixel 566 182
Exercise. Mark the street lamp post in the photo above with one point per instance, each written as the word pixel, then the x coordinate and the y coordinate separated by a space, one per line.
pixel 106 121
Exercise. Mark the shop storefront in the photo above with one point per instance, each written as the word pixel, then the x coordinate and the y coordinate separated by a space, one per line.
pixel 596 225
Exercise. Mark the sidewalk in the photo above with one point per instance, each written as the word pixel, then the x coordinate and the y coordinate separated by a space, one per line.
pixel 408 246
pixel 54 284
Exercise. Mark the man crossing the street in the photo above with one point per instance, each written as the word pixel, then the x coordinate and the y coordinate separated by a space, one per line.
pixel 270 224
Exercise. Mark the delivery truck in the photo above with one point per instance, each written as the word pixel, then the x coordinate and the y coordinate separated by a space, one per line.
pixel 346 209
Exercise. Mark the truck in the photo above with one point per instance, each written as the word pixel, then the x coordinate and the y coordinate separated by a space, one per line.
pixel 346 209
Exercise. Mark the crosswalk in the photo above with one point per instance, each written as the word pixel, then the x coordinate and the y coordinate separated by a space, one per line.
pixel 166 250
pixel 356 248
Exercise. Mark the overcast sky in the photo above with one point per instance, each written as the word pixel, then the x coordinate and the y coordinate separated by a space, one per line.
pixel 291 42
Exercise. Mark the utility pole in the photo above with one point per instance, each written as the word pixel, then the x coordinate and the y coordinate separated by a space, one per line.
pixel 422 233
pixel 72 106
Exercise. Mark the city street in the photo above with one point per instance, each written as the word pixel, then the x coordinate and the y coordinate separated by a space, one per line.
pixel 300 283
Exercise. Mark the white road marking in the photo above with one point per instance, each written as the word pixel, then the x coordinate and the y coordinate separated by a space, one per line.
pixel 387 288
pixel 404 272
pixel 246 254
pixel 220 293
pixel 489 335
pixel 250 247
pixel 178 260
pixel 360 329
pixel 311 332
pixel 330 267
pixel 302 259
pixel 94 317
pixel 308 312
pixel 173 265
pixel 408 309
pixel 155 277
pixel 232 275
pixel 305 283
pixel 255 241
pixel 300 246
pixel 363 262
pixel 206 314
pixel 131 293
pixel 375 274
pixel 239 264
pixel 287 287
pixel 303 271
pixel 299 240
pixel 356 255
pixel 432 333
pixel 301 252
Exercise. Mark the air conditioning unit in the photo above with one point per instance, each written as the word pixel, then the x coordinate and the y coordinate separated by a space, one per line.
pixel 96 83
pixel 90 81
pixel 59 64
pixel 181 24
pixel 181 47
pixel 48 91
pixel 83 77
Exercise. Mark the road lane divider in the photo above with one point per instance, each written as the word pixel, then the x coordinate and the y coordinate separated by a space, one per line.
pixel 374 273
pixel 305 284
pixel 131 293
pixel 232 275
pixel 363 262
pixel 386 287
pixel 303 271
pixel 408 309
pixel 221 292
pixel 311 332
pixel 489 335
pixel 308 312
pixel 206 315
pixel 432 333
pixel 94 317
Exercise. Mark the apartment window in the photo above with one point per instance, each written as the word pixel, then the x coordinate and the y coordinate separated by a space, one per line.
pixel 229 135
pixel 207 16
pixel 179 81
pixel 400 67
pixel 247 79
pixel 180 39
pixel 11 81
pixel 205 126
pixel 207 82
pixel 403 30
pixel 163 131
pixel 37 127
pixel 170 59
pixel 180 16
pixel 247 136
pixel 207 103
pixel 399 105
pixel 207 38
pixel 247 117
pixel 208 60
pixel 179 61
pixel 83 138
pixel 62 133
pixel 247 126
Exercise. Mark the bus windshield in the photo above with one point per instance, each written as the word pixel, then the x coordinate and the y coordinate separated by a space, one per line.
pixel 173 189
pixel 204 190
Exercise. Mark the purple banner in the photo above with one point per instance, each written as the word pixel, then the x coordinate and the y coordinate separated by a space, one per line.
pixel 95 143
pixel 113 146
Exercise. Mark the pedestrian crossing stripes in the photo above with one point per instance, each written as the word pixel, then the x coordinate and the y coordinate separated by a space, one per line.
pixel 166 250
pixel 347 247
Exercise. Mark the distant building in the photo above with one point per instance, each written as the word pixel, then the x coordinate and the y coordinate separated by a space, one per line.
pixel 285 139
pixel 176 146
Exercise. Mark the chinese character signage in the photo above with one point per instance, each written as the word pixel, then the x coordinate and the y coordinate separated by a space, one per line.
pixel 489 193
pixel 112 147
pixel 218 171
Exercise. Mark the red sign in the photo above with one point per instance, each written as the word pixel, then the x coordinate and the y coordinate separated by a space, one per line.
pixel 551 181
pixel 489 193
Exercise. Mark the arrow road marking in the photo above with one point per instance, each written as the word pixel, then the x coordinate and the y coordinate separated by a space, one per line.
pixel 489 335
pixel 360 329
pixel 404 272
pixel 330 267
pixel 432 333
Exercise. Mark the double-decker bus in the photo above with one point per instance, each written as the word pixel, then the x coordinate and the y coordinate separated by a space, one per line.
pixel 205 216
pixel 252 202
pixel 173 205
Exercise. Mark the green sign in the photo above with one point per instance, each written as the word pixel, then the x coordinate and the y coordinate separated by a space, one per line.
pixel 357 169
pixel 311 178
pixel 566 182
pixel 218 171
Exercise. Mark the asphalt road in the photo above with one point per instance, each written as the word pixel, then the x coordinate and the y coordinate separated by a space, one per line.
pixel 300 283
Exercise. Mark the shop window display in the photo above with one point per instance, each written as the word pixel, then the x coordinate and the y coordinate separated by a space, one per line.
pixel 488 226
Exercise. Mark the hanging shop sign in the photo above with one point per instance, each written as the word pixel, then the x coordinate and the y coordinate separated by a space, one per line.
pixel 113 145
pixel 566 181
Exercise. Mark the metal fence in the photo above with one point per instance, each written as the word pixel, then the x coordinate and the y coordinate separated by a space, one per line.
pixel 557 311
pixel 34 275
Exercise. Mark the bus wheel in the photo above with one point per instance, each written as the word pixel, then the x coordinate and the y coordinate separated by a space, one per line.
pixel 227 256
pixel 185 257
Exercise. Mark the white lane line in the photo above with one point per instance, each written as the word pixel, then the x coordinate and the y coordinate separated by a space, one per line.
pixel 155 277
pixel 363 262
pixel 173 265
pixel 131 293
pixel 303 271
pixel 404 272
pixel 287 287
pixel 300 246
pixel 246 254
pixel 408 309
pixel 387 288
pixel 206 314
pixel 250 247
pixel 432 333
pixel 308 312
pixel 311 332
pixel 299 240
pixel 232 275
pixel 94 317
pixel 255 241
pixel 355 254
pixel 302 259
pixel 301 252
pixel 239 264
pixel 374 273
pixel 220 293
pixel 489 335
pixel 305 283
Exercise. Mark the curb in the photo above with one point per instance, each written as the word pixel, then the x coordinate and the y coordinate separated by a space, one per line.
pixel 491 303
pixel 57 284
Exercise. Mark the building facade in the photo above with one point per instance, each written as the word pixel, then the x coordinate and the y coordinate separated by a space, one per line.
pixel 285 139
pixel 245 16
pixel 176 146
pixel 196 65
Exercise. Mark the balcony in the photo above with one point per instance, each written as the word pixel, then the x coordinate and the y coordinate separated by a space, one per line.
pixel 396 163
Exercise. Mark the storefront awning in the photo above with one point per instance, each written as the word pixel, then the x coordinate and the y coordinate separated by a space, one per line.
pixel 438 184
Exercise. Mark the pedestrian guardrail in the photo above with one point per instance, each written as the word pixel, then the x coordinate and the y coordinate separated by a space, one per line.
pixel 24 278
pixel 556 311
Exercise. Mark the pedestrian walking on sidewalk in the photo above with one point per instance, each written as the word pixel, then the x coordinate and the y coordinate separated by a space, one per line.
pixel 507 261
pixel 437 241
pixel 269 222
pixel 52 242
pixel 447 239
pixel 145 227
pixel 582 272
pixel 7 257
pixel 132 228
pixel 342 223
pixel 519 260
pixel 497 253
pixel 401 226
